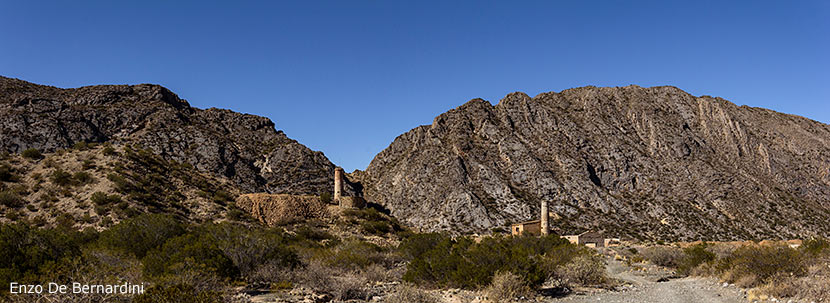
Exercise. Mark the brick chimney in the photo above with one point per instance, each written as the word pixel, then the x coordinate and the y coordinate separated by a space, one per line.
pixel 545 228
pixel 338 183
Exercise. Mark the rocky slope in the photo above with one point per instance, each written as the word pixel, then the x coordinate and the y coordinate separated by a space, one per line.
pixel 641 162
pixel 243 148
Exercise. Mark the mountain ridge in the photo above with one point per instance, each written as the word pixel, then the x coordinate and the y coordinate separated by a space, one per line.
pixel 661 122
pixel 242 147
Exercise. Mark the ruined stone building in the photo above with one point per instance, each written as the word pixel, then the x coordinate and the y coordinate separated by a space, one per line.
pixel 592 239
pixel 339 198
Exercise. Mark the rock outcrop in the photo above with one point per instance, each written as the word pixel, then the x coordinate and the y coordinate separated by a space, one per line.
pixel 640 162
pixel 246 149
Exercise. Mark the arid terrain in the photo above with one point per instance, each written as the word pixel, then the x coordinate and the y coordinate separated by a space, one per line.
pixel 118 183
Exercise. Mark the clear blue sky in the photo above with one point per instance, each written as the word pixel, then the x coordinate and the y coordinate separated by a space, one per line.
pixel 347 77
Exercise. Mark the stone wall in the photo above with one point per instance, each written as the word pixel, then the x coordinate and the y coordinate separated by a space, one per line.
pixel 280 209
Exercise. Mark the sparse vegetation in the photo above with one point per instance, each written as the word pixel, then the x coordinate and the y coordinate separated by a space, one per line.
pixel 506 287
pixel 7 174
pixel 772 269
pixel 10 199
pixel 32 153
pixel 439 260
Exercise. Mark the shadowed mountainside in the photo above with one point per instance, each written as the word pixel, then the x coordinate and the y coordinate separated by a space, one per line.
pixel 244 148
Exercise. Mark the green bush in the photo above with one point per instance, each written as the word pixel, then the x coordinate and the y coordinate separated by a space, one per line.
pixel 26 252
pixel 438 260
pixel 100 198
pixel 11 199
pixel 140 234
pixel 32 153
pixel 815 246
pixel 693 256
pixel 222 197
pixel 7 174
pixel 87 164
pixel 376 227
pixel 80 145
pixel 763 263
pixel 325 198
pixel 352 255
pixel 108 151
pixel 61 178
pixel 191 250
pixel 122 185
pixel 83 177
pixel 249 248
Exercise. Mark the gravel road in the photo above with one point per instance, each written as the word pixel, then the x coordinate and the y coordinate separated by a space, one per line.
pixel 643 288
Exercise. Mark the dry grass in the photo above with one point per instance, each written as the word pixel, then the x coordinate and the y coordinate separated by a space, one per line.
pixel 585 270
pixel 406 293
pixel 665 256
pixel 507 286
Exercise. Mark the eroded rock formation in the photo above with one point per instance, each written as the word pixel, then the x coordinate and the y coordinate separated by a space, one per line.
pixel 644 162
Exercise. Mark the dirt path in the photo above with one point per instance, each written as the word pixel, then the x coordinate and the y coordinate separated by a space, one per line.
pixel 641 287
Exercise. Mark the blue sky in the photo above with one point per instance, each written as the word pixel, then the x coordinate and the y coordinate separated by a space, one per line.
pixel 347 77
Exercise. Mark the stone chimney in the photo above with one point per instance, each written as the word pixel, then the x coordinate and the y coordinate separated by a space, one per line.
pixel 545 228
pixel 338 183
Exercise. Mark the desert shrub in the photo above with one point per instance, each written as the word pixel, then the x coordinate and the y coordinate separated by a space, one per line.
pixel 351 255
pixel 61 178
pixel 349 287
pixel 27 252
pixel 189 251
pixel 87 164
pixel 369 214
pixel 108 151
pixel 663 255
pixel 407 293
pixel 121 183
pixel 584 269
pixel 375 227
pixel 327 279
pixel 32 153
pixel 11 199
pixel 7 174
pixel 439 260
pixel 506 287
pixel 694 256
pixel 815 246
pixel 307 233
pixel 100 198
pixel 376 273
pixel 179 293
pixel 65 220
pixel 234 213
pixel 316 275
pixel 249 249
pixel 325 197
pixel 80 145
pixel 757 264
pixel 140 234
pixel 83 177
pixel 222 197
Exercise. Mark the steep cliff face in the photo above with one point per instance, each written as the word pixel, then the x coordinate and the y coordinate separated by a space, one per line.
pixel 244 148
pixel 644 162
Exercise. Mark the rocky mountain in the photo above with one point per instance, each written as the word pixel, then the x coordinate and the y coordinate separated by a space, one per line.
pixel 653 163
pixel 244 148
